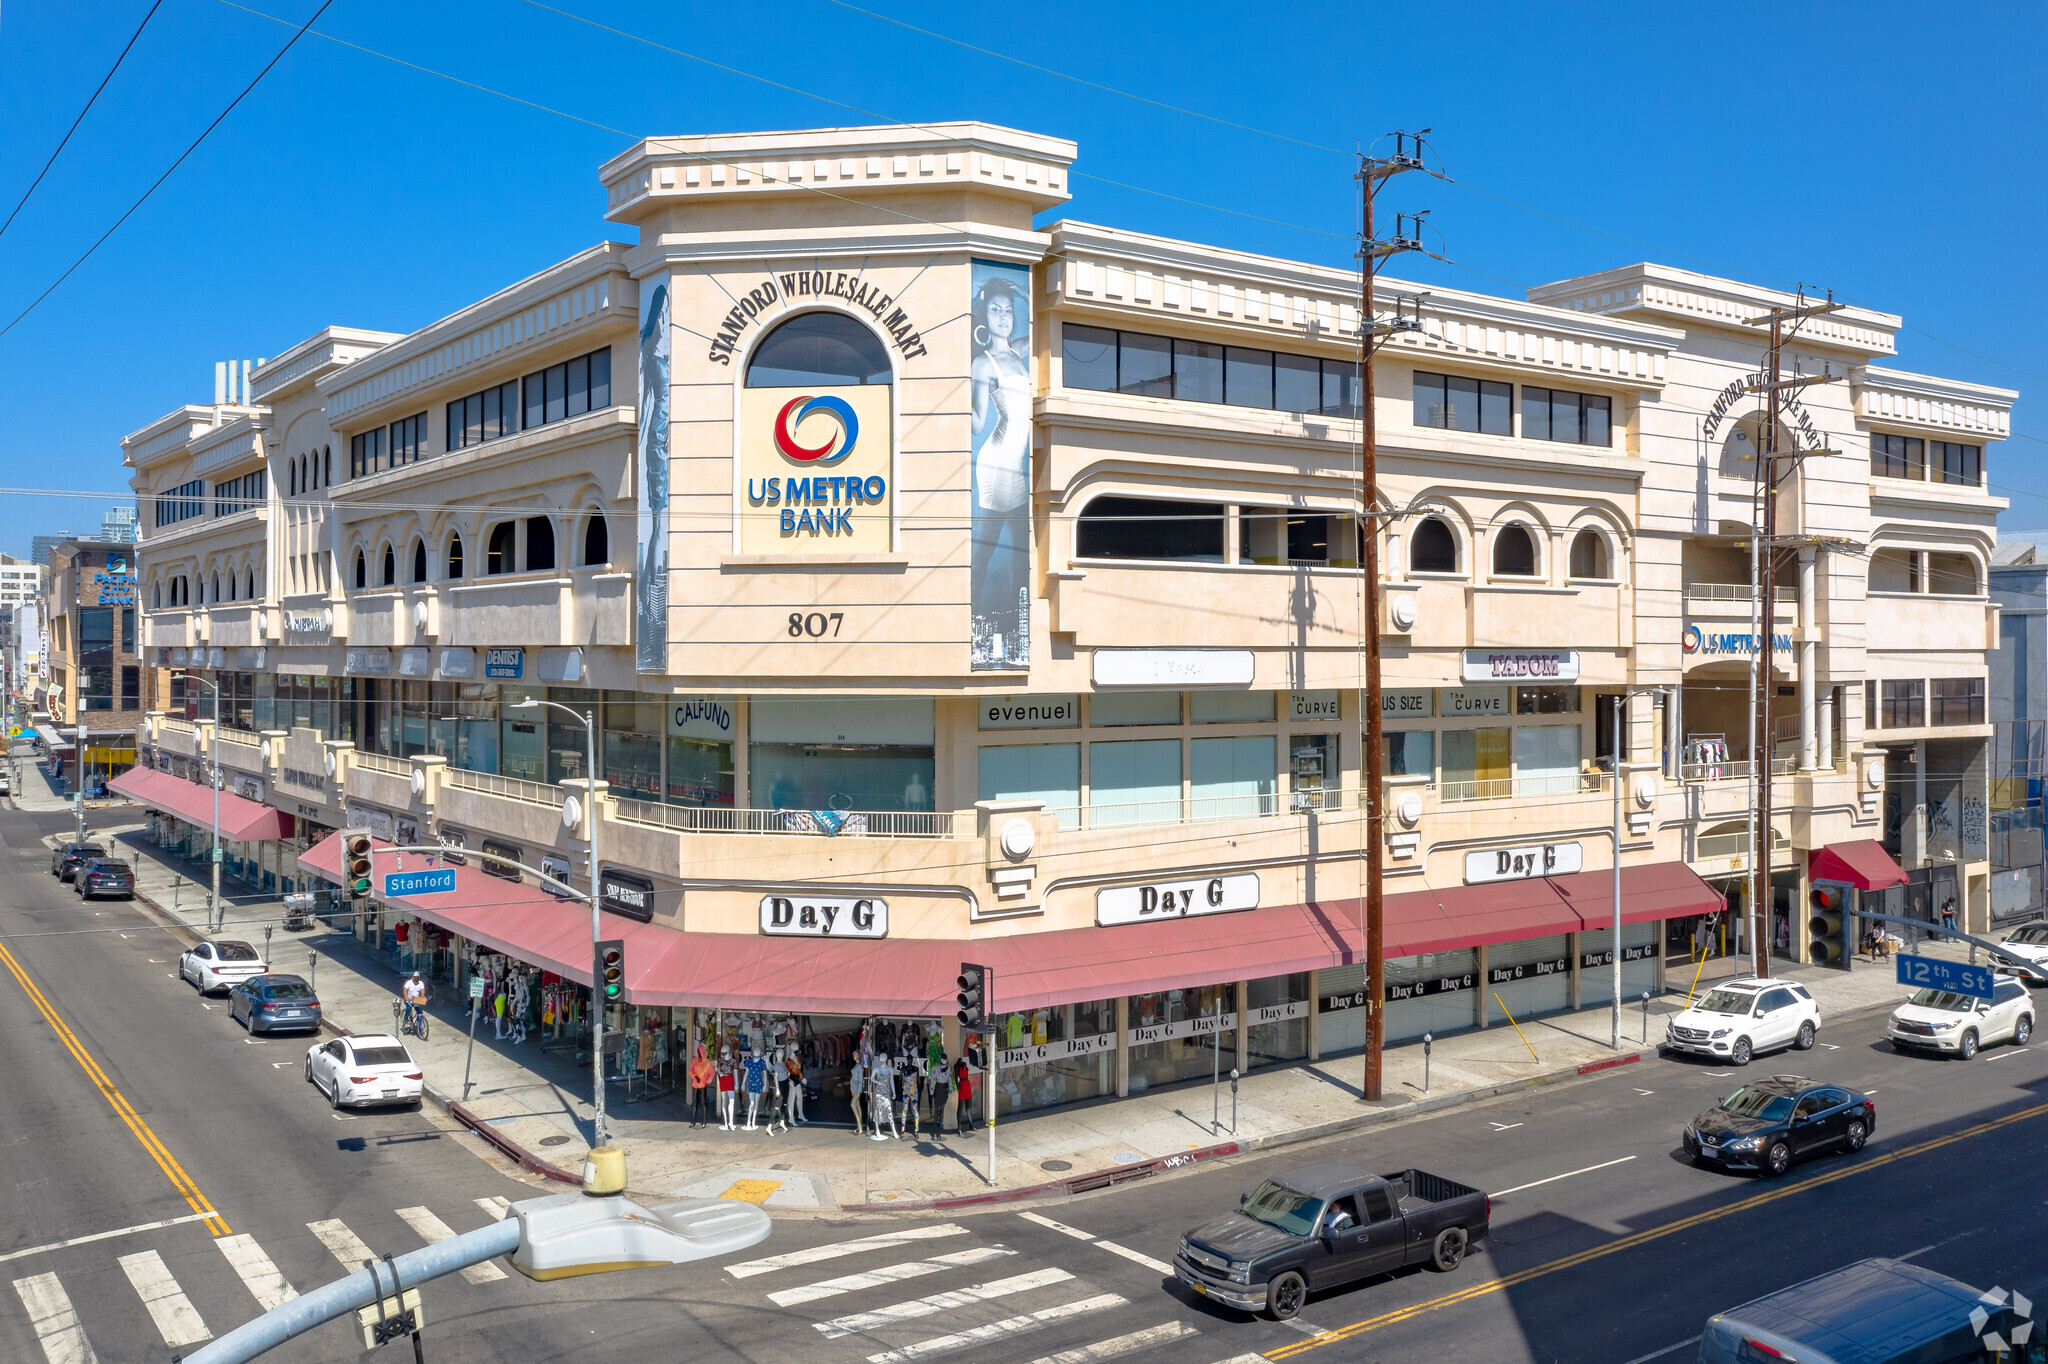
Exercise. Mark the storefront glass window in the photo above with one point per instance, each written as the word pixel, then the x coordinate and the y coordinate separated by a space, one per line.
pixel 1232 778
pixel 412 717
pixel 1134 708
pixel 699 772
pixel 883 777
pixel 568 752
pixel 1056 1055
pixel 1230 707
pixel 633 733
pixel 1475 764
pixel 1312 768
pixel 1411 753
pixel 1433 993
pixel 1047 772
pixel 1177 1034
pixel 1531 976
pixel 1276 1027
pixel 476 719
pixel 1134 782
pixel 1546 760
pixel 1639 944
pixel 522 750
pixel 264 701
pixel 1546 700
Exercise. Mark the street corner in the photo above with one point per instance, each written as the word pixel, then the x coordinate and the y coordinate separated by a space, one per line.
pixel 777 1188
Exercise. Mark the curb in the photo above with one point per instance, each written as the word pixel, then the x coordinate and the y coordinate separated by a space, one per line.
pixel 1086 1183
pixel 527 1160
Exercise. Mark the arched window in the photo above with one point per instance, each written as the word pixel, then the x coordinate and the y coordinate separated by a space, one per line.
pixel 1432 549
pixel 390 575
pixel 1589 555
pixel 419 561
pixel 1150 528
pixel 498 554
pixel 362 570
pixel 156 596
pixel 597 540
pixel 231 584
pixel 216 589
pixel 1514 553
pixel 455 556
pixel 291 478
pixel 818 349
pixel 327 467
pixel 251 593
pixel 540 543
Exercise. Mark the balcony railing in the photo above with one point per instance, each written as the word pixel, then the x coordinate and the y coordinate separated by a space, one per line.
pixel 379 762
pixel 729 819
pixel 235 738
pixel 511 788
pixel 1509 788
pixel 1735 592
pixel 1735 845
pixel 1736 771
pixel 169 725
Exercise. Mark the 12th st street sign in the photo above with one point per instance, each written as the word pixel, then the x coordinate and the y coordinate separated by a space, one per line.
pixel 439 882
pixel 1958 978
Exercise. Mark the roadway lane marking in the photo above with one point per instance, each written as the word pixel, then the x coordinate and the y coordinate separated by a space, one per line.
pixel 1566 1175
pixel 158 1152
pixel 1135 1257
pixel 433 1231
pixel 874 1278
pixel 343 1244
pixel 1122 1345
pixel 2014 1051
pixel 1640 1238
pixel 103 1236
pixel 996 1330
pixel 1646 1091
pixel 746 1269
pixel 496 1207
pixel 940 1302
pixel 1297 1324
pixel 1831 1046
pixel 177 1321
pixel 56 1324
pixel 256 1271
pixel 1667 1350
pixel 1503 1126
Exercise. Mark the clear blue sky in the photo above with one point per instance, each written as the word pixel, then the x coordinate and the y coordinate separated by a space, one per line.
pixel 1894 153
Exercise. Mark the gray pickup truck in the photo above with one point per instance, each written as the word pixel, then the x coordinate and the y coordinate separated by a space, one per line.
pixel 1320 1226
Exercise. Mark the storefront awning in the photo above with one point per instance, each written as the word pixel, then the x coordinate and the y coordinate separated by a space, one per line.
pixel 53 739
pixel 1862 863
pixel 1506 911
pixel 241 820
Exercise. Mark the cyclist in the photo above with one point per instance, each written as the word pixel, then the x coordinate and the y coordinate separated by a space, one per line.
pixel 415 1002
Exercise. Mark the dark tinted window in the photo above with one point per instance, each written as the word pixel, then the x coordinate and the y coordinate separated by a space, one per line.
pixel 288 989
pixel 818 350
pixel 1897 456
pixel 1460 402
pixel 1145 365
pixel 1247 377
pixel 1514 553
pixel 382 1056
pixel 1432 549
pixel 1953 463
pixel 1573 418
pixel 236 951
pixel 1378 1207
pixel 1297 383
pixel 1088 356
pixel 1148 528
pixel 1198 371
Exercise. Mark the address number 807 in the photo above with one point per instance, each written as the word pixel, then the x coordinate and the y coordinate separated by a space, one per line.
pixel 816 625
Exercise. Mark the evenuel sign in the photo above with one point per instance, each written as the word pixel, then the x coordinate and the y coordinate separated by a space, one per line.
pixel 1176 899
pixel 814 916
pixel 1521 665
pixel 1516 864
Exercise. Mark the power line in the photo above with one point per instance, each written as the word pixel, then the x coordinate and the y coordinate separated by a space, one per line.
pixel 158 183
pixel 66 139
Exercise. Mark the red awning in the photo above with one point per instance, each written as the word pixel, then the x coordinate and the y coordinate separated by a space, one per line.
pixel 1863 863
pixel 1505 911
pixel 241 820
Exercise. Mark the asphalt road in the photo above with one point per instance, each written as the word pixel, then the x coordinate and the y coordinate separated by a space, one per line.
pixel 146 1107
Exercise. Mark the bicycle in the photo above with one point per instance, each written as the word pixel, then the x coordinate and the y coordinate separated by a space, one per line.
pixel 411 1018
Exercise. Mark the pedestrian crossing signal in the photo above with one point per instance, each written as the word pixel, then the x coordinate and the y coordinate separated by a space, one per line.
pixel 357 863
pixel 611 968
pixel 975 984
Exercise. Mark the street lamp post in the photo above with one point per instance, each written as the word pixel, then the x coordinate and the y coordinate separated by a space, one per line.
pixel 589 722
pixel 213 896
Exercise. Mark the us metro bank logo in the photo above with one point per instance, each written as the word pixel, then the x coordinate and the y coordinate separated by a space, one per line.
pixel 821 504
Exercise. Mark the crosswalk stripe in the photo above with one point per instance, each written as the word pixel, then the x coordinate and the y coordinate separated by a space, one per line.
pixel 257 1272
pixel 940 1302
pixel 909 1269
pixel 746 1269
pixel 498 1208
pixel 1122 1345
pixel 996 1330
pixel 177 1321
pixel 343 1244
pixel 1112 1247
pixel 56 1325
pixel 433 1230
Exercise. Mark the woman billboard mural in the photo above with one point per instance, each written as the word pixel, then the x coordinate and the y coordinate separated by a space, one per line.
pixel 651 634
pixel 1000 593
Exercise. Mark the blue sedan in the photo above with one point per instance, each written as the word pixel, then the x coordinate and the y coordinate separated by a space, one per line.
pixel 269 1002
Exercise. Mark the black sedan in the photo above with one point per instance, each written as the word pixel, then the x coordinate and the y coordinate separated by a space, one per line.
pixel 268 1003
pixel 1767 1125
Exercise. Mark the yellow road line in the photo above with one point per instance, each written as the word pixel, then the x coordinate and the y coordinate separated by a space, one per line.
pixel 165 1161
pixel 1629 1242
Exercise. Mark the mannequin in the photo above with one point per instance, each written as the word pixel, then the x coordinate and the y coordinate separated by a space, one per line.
pixel 911 1066
pixel 937 1073
pixel 857 1093
pixel 777 1115
pixel 703 1075
pixel 520 999
pixel 498 1006
pixel 727 1089
pixel 756 1070
pixel 882 1097
pixel 793 1073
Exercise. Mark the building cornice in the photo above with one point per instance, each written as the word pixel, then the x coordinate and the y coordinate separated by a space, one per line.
pixel 314 358
pixel 1940 407
pixel 233 442
pixel 173 433
pixel 1689 299
pixel 863 243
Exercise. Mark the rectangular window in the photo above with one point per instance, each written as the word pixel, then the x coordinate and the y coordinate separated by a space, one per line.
pixel 1232 778
pixel 569 389
pixel 1134 782
pixel 131 687
pixel 1958 464
pixel 1547 760
pixel 1047 772
pixel 127 629
pixel 181 503
pixel 1902 705
pixel 1134 708
pixel 1476 764
pixel 1958 701
pixel 1106 361
pixel 1144 365
pixel 1897 456
pixel 1197 371
pixel 1247 377
pixel 366 451
pixel 1546 700
pixel 1088 357
pixel 1297 383
pixel 1145 528
pixel 1411 753
pixel 408 439
pixel 1459 402
pixel 1571 418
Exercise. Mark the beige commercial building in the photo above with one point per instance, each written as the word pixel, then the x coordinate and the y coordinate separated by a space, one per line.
pixel 947 589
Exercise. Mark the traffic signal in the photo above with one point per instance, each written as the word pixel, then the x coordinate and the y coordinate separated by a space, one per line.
pixel 977 986
pixel 356 863
pixel 609 970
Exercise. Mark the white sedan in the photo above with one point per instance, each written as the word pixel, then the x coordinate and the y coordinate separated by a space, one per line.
pixel 370 1069
pixel 220 964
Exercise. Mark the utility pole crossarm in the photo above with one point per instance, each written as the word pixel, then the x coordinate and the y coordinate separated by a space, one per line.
pixel 1799 381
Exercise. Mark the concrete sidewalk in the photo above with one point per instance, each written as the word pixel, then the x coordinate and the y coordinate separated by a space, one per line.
pixel 535 1101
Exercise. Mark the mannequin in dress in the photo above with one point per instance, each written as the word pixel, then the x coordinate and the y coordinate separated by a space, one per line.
pixel 857 1093
pixel 756 1068
pixel 793 1074
pixel 727 1089
pixel 882 1097
pixel 777 1115
pixel 520 998
pixel 703 1075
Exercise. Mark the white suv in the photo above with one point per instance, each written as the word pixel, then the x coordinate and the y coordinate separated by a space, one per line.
pixel 1940 1021
pixel 1739 1018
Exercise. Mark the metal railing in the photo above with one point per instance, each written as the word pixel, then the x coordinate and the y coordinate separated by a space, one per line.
pixel 1509 788
pixel 1736 592
pixel 380 762
pixel 511 788
pixel 168 725
pixel 1736 771
pixel 1735 845
pixel 730 819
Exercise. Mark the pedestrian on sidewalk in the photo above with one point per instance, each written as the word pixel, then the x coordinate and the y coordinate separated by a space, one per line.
pixel 857 1094
pixel 1948 914
pixel 703 1078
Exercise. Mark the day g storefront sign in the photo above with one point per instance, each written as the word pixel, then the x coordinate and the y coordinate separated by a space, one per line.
pixel 1518 864
pixel 1176 899
pixel 1521 665
pixel 815 916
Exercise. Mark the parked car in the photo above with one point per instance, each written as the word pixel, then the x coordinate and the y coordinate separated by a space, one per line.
pixel 1871 1312
pixel 220 964
pixel 265 1003
pixel 1320 1226
pixel 65 857
pixel 6 783
pixel 2029 941
pixel 1937 1020
pixel 1768 1124
pixel 1737 1019
pixel 365 1069
pixel 103 876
